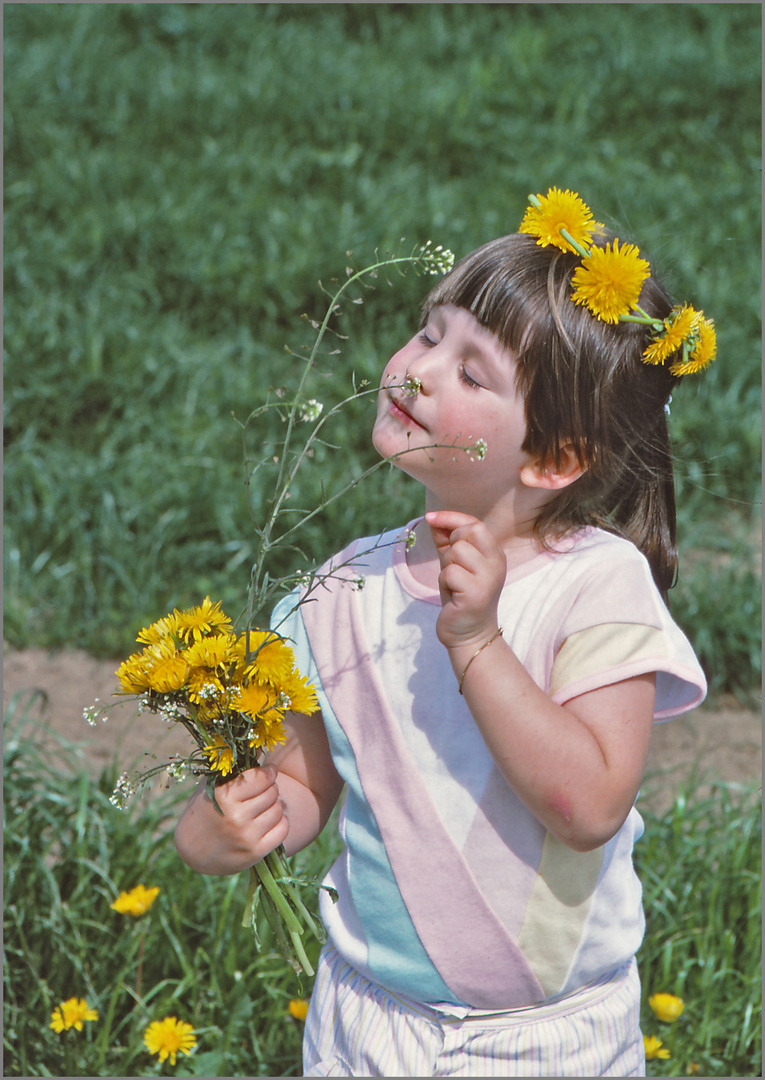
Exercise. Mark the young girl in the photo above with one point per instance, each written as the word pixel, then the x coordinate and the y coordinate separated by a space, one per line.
pixel 488 695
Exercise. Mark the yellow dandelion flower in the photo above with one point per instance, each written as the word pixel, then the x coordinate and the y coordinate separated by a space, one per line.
pixel 212 652
pixel 677 327
pixel 271 660
pixel 609 280
pixel 137 901
pixel 269 731
pixel 166 627
pixel 298 1008
pixel 206 618
pixel 167 667
pixel 252 700
pixel 702 354
pixel 71 1014
pixel 133 675
pixel 653 1048
pixel 560 210
pixel 169 1037
pixel 301 694
pixel 667 1007
pixel 206 689
pixel 220 755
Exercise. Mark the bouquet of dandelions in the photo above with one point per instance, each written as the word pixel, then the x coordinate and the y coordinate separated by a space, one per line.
pixel 230 691
pixel 229 688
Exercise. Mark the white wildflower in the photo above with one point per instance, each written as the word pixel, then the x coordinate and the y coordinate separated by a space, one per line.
pixel 438 260
pixel 91 713
pixel 177 770
pixel 412 386
pixel 311 410
pixel 124 790
pixel 477 452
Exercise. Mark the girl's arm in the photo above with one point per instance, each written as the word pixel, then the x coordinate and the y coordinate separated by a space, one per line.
pixel 288 800
pixel 576 766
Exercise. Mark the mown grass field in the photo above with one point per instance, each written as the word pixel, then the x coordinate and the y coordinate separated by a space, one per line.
pixel 179 180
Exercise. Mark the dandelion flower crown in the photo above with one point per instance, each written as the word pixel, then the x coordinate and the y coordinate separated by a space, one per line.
pixel 610 278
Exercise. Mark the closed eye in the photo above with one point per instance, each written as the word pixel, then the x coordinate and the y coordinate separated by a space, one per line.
pixel 423 338
pixel 468 381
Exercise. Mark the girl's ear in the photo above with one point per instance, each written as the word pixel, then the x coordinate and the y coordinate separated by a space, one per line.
pixel 552 477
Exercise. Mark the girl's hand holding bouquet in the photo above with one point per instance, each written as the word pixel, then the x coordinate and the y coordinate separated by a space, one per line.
pixel 231 692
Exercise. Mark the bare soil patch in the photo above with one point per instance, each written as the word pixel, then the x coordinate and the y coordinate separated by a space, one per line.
pixel 719 742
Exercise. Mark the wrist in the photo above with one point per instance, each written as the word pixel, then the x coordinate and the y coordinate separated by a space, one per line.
pixel 464 655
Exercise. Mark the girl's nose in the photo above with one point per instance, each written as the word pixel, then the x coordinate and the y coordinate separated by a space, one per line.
pixel 420 367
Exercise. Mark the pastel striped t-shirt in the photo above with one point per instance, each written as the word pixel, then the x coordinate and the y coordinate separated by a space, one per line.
pixel 450 890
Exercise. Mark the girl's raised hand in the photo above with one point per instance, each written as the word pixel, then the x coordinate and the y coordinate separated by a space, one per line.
pixel 473 572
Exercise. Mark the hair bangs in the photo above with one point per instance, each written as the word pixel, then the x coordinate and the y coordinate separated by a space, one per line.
pixel 496 286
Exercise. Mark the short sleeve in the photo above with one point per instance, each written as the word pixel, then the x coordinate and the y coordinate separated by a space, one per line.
pixel 619 627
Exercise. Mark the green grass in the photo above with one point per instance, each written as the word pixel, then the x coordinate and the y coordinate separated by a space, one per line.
pixel 68 855
pixel 69 852
pixel 701 868
pixel 179 177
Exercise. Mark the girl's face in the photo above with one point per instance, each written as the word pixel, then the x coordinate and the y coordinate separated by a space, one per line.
pixel 466 393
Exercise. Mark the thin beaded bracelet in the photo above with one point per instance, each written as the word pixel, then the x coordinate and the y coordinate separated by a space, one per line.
pixel 472 658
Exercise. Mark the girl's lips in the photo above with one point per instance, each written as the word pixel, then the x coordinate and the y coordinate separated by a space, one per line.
pixel 400 412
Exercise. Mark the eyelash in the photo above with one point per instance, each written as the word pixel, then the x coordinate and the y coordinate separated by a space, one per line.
pixel 468 381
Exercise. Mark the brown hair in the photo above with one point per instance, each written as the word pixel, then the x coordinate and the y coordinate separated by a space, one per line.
pixel 583 383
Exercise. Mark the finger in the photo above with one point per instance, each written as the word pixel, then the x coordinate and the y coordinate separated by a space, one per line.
pixel 253 785
pixel 275 836
pixel 455 581
pixel 256 781
pixel 443 523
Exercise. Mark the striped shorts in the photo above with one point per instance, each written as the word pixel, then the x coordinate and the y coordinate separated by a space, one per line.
pixel 355 1028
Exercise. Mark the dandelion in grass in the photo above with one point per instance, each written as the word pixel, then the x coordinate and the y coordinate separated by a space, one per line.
pixel 137 901
pixel 169 1037
pixel 666 1007
pixel 298 1008
pixel 72 1014
pixel 609 281
pixel 556 211
pixel 654 1048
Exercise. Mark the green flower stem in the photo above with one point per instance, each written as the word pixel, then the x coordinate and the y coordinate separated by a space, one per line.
pixel 575 243
pixel 286 475
pixel 643 319
pixel 261 874
pixel 277 869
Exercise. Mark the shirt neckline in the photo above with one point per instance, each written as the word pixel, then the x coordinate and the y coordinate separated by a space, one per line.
pixel 416 589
